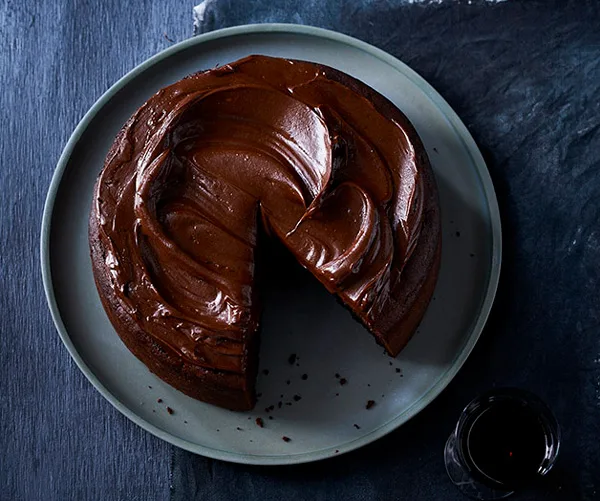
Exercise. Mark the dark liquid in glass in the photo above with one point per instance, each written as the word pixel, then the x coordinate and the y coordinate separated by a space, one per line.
pixel 506 444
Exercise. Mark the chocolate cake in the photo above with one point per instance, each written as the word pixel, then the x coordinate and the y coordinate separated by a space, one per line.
pixel 306 154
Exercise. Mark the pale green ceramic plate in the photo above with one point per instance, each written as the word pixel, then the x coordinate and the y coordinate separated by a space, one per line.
pixel 302 318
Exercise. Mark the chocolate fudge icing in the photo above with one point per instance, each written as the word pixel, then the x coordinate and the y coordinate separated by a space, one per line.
pixel 324 164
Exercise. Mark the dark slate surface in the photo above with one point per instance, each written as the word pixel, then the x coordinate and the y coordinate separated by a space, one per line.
pixel 525 78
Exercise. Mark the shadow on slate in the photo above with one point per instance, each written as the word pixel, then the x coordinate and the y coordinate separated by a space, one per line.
pixel 525 79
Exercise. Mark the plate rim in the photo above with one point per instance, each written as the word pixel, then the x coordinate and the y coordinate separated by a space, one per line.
pixel 425 399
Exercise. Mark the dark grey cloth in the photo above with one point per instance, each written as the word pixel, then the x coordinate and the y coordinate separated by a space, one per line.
pixel 59 439
pixel 525 78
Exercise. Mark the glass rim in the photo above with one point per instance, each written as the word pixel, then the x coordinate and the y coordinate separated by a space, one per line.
pixel 483 402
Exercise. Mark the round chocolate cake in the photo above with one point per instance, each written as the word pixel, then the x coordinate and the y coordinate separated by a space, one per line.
pixel 297 151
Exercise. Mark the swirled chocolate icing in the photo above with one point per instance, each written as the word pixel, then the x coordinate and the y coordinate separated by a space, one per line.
pixel 317 159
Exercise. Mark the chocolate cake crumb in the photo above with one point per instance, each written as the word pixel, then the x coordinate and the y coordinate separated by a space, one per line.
pixel 337 376
pixel 169 410
pixel 343 381
pixel 185 421
pixel 337 394
pixel 472 255
pixel 304 377
pixel 286 439
pixel 288 382
pixel 288 403
pixel 370 404
pixel 390 363
pixel 292 359
pixel 369 385
pixel 270 417
pixel 159 400
pixel 218 429
pixel 398 370
pixel 270 408
pixel 249 417
pixel 266 372
pixel 281 396
pixel 336 451
pixel 458 233
pixel 260 422
pixel 237 428
pixel 149 386
pixel 435 149
pixel 153 410
pixel 279 404
pixel 297 398
pixel 356 426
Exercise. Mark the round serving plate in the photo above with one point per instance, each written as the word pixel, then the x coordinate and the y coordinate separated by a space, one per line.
pixel 317 412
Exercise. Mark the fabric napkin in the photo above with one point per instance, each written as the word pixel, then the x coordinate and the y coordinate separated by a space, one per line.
pixel 524 76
